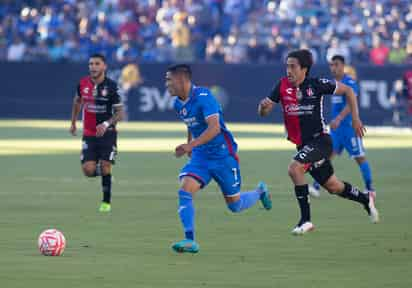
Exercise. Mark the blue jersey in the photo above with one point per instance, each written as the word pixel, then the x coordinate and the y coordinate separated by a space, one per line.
pixel 200 105
pixel 339 101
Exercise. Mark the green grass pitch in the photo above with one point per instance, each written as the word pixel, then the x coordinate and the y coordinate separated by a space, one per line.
pixel 131 246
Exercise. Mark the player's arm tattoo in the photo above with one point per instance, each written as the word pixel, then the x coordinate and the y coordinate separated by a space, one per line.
pixel 118 115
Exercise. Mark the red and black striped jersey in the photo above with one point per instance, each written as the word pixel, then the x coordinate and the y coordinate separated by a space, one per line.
pixel 302 107
pixel 98 101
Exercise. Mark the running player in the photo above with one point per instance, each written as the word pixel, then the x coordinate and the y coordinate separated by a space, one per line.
pixel 212 151
pixel 102 109
pixel 301 100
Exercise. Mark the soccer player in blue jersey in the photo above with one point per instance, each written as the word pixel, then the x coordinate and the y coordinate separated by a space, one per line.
pixel 342 132
pixel 212 151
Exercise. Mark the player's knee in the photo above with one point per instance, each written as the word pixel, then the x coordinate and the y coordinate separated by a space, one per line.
pixel 89 170
pixel 235 207
pixel 295 169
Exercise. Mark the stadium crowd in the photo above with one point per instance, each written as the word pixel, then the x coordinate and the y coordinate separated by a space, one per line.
pixel 230 31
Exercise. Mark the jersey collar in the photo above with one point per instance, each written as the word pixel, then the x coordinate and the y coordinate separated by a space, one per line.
pixel 191 95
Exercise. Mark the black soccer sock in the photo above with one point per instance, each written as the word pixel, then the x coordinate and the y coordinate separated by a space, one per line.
pixel 107 187
pixel 301 192
pixel 352 193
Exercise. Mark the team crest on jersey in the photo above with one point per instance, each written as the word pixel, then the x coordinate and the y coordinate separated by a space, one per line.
pixel 183 112
pixel 105 91
pixel 309 92
pixel 86 90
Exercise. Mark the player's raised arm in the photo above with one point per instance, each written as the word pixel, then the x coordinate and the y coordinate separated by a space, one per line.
pixel 75 114
pixel 342 89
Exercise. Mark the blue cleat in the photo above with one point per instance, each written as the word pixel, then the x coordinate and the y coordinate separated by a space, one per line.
pixel 265 196
pixel 186 246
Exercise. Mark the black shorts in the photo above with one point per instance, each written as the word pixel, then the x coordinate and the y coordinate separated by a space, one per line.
pixel 315 156
pixel 99 148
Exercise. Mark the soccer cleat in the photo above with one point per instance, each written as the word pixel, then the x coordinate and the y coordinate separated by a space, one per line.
pixel 313 191
pixel 303 228
pixel 105 207
pixel 265 196
pixel 186 246
pixel 372 211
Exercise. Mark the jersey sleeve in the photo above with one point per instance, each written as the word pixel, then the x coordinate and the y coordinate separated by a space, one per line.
pixel 275 93
pixel 209 104
pixel 326 86
pixel 355 87
pixel 116 99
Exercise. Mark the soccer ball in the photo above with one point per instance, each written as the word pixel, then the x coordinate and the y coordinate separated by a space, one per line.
pixel 51 242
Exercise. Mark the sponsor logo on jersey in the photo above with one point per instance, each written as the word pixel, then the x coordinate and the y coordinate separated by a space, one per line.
pixel 191 121
pixel 297 109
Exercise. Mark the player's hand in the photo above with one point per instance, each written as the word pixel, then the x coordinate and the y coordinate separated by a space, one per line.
pixel 334 124
pixel 73 129
pixel 265 105
pixel 358 127
pixel 101 129
pixel 183 149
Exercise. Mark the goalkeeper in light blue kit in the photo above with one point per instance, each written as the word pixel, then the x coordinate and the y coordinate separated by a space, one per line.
pixel 212 151
pixel 343 135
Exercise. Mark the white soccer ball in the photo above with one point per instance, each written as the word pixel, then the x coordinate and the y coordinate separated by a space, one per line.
pixel 51 242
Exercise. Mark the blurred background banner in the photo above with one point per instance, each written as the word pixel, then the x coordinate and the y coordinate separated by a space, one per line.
pixel 45 90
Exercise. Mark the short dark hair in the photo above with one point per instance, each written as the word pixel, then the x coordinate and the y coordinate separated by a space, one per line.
pixel 339 58
pixel 304 58
pixel 98 55
pixel 181 68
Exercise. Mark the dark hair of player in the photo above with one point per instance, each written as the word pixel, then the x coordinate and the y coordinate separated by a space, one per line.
pixel 304 58
pixel 181 68
pixel 339 58
pixel 98 55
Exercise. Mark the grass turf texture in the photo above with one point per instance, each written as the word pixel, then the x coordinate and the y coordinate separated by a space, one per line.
pixel 131 246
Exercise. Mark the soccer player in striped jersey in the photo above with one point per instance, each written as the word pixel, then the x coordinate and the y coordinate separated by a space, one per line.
pixel 301 99
pixel 102 109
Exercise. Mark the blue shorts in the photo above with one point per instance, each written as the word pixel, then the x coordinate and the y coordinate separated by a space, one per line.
pixel 224 171
pixel 345 137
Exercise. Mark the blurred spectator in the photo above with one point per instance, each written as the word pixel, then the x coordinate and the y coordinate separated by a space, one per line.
pixel 258 31
pixel 180 34
pixel 397 55
pixel 337 48
pixel 126 52
pixel 57 50
pixel 215 51
pixel 379 53
pixel 16 50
